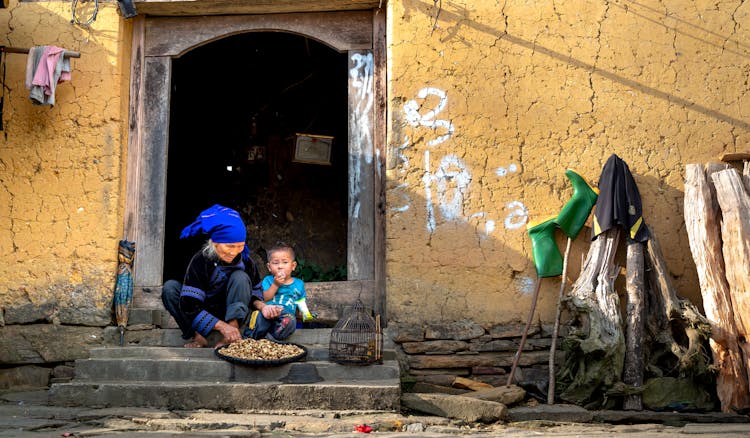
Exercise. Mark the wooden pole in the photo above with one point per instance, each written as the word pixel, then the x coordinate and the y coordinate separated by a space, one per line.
pixel 517 357
pixel 67 53
pixel 634 327
pixel 556 330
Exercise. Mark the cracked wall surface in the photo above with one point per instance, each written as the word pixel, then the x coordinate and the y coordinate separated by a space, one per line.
pixel 490 102
pixel 61 168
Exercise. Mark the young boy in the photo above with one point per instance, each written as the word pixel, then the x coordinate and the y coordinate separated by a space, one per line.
pixel 280 289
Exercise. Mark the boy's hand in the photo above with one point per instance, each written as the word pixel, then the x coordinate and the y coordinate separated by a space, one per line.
pixel 279 279
pixel 271 312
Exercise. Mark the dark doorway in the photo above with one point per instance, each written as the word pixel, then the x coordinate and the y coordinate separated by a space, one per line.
pixel 237 105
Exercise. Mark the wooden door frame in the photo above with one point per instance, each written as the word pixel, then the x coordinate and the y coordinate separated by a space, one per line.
pixel 158 40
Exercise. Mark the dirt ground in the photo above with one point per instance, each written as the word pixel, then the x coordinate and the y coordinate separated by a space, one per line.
pixel 27 414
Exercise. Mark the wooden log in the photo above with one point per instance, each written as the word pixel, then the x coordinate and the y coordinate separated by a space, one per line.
pixel 701 223
pixel 635 285
pixel 735 156
pixel 735 233
pixel 595 345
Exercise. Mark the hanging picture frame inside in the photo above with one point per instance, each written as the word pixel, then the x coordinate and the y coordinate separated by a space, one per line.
pixel 312 149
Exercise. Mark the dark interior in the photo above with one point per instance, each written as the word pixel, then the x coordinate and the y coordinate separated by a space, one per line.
pixel 237 105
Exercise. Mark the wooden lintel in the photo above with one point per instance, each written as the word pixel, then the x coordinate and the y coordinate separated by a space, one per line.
pixel 231 7
pixel 735 156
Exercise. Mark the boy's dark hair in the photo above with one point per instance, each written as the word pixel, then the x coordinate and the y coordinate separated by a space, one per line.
pixel 279 246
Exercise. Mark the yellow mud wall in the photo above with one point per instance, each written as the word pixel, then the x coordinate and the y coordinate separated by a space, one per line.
pixel 62 167
pixel 490 102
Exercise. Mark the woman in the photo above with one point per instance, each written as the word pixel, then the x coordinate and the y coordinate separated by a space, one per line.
pixel 220 282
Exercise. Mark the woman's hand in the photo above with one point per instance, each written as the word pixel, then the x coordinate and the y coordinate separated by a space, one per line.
pixel 229 332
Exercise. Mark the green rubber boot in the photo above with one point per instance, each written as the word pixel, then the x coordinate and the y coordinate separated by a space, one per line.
pixel 547 258
pixel 573 215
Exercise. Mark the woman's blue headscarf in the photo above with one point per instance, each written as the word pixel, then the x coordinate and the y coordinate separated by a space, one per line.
pixel 221 224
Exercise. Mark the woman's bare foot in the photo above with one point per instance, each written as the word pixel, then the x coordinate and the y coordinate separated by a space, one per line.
pixel 222 343
pixel 198 342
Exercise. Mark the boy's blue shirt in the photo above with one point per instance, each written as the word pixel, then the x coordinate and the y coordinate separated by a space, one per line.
pixel 287 294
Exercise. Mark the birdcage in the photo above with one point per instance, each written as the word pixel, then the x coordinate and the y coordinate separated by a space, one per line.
pixel 356 339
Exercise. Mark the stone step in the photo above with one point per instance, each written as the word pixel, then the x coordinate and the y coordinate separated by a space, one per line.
pixel 160 318
pixel 382 395
pixel 315 338
pixel 187 364
pixel 154 370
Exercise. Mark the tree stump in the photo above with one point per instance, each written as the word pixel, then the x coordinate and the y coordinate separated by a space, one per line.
pixel 676 332
pixel 675 325
pixel 595 347
pixel 701 221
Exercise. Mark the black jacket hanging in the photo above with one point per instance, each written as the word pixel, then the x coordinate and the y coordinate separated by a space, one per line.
pixel 619 202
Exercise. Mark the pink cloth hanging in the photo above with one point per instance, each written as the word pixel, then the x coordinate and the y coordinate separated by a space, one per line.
pixel 49 69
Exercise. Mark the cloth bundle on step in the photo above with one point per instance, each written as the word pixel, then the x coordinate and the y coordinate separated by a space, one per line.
pixel 46 67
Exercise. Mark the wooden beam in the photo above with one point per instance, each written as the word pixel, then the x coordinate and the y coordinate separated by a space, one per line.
pixel 152 192
pixel 173 37
pixel 228 7
pixel 361 208
pixel 737 156
pixel 66 53
pixel 135 117
pixel 379 52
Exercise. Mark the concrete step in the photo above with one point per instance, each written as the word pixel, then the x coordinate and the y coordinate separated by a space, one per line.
pixel 144 373
pixel 231 397
pixel 188 364
pixel 313 338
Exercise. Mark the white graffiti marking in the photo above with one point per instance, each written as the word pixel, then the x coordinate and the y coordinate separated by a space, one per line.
pixel 502 171
pixel 415 118
pixel 489 224
pixel 361 79
pixel 407 199
pixel 525 284
pixel 399 153
pixel 452 180
pixel 517 217
pixel 427 180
